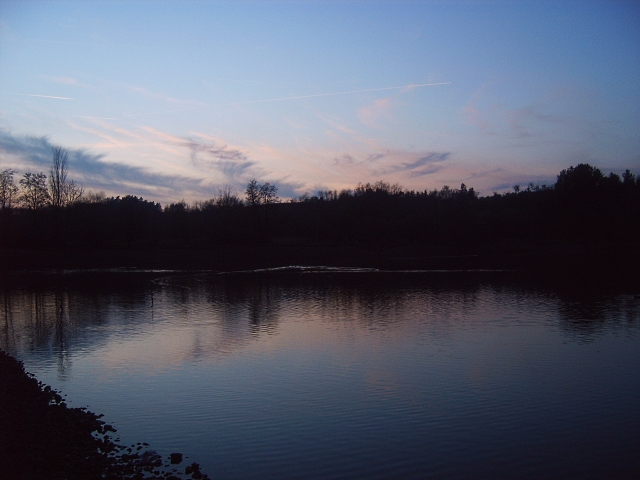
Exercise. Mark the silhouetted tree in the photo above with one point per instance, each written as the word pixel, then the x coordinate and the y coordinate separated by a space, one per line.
pixel 628 178
pixel 8 189
pixel 581 179
pixel 227 197
pixel 62 191
pixel 94 197
pixel 268 194
pixel 446 192
pixel 33 191
pixel 252 193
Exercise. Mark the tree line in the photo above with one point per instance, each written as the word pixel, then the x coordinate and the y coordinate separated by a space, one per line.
pixel 584 204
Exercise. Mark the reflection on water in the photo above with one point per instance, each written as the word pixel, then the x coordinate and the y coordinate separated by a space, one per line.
pixel 345 374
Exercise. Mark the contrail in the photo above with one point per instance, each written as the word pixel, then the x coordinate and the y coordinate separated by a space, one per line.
pixel 271 99
pixel 97 118
pixel 340 93
pixel 41 96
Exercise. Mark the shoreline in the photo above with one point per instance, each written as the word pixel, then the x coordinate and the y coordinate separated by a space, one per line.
pixel 528 257
pixel 42 438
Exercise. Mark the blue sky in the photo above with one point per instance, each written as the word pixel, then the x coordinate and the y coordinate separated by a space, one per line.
pixel 172 100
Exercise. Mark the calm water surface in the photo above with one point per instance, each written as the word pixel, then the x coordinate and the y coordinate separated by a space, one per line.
pixel 302 375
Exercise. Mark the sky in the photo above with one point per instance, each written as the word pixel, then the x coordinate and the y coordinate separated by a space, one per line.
pixel 174 100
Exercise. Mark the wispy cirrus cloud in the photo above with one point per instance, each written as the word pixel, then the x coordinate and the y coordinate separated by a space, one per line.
pixel 30 153
pixel 368 113
pixel 215 162
pixel 423 165
pixel 529 121
pixel 477 118
pixel 396 163
pixel 69 81
pixel 337 124
pixel 371 114
pixel 142 91
pixel 374 157
pixel 29 150
pixel 212 149
pixel 348 92
pixel 192 167
pixel 344 159
pixel 539 119
pixel 231 163
pixel 66 81
pixel 524 120
pixel 348 159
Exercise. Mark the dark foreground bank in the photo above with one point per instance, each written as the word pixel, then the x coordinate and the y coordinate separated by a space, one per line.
pixel 42 438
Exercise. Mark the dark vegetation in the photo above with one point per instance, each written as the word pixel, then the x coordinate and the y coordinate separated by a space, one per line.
pixel 586 216
pixel 42 438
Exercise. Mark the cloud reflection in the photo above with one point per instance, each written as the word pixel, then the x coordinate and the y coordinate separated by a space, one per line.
pixel 134 324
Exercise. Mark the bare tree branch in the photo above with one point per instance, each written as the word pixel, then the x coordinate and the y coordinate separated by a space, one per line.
pixel 62 192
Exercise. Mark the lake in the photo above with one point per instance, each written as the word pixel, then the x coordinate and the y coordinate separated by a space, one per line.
pixel 345 374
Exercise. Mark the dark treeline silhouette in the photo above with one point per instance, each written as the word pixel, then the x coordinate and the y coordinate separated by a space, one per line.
pixel 583 206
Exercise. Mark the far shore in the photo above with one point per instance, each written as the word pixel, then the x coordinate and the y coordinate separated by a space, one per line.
pixel 559 258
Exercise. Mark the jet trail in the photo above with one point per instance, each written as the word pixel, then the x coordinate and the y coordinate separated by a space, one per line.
pixel 274 99
pixel 341 93
pixel 41 96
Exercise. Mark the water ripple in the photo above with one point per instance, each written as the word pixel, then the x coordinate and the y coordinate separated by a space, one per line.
pixel 341 373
